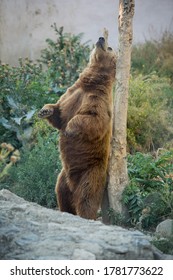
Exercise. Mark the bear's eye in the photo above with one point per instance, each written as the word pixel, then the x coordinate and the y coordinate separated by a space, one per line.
pixel 109 49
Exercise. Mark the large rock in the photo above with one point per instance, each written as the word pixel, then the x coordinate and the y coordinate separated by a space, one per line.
pixel 165 228
pixel 29 231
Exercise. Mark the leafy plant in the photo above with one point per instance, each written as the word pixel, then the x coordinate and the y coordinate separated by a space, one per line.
pixel 164 244
pixel 65 58
pixel 18 123
pixel 34 177
pixel 22 92
pixel 149 196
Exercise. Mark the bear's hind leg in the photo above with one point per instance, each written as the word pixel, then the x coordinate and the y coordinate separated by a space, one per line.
pixel 88 195
pixel 87 208
pixel 64 195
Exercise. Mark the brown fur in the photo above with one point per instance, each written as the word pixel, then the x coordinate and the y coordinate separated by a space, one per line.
pixel 83 116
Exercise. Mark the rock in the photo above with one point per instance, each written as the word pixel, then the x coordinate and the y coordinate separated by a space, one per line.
pixel 165 228
pixel 29 231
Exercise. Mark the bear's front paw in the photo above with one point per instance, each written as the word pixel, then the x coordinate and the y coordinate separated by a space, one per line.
pixel 45 112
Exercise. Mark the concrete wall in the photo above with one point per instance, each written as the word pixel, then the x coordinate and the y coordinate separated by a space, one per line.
pixel 25 24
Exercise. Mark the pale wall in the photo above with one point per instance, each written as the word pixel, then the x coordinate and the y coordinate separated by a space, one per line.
pixel 25 24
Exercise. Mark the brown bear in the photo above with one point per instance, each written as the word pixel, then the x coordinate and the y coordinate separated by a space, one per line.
pixel 83 116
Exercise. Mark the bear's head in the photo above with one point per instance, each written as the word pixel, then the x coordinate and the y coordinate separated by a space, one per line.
pixel 102 55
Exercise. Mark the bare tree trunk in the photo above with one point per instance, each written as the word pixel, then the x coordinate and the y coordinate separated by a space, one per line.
pixel 118 176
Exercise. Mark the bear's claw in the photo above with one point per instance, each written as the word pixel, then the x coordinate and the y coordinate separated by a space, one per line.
pixel 44 113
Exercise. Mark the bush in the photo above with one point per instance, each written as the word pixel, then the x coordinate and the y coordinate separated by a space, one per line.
pixel 149 123
pixel 22 92
pixel 65 58
pixel 149 196
pixel 164 244
pixel 34 177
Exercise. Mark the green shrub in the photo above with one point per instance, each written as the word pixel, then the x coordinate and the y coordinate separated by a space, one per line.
pixel 34 177
pixel 25 84
pixel 22 92
pixel 149 123
pixel 164 244
pixel 65 58
pixel 149 196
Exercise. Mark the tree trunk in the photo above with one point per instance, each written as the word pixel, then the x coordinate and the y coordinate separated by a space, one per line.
pixel 118 176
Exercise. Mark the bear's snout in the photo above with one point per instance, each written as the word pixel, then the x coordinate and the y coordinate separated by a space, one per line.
pixel 101 43
pixel 102 39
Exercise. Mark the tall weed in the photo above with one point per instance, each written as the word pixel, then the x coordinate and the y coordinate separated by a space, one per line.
pixel 154 56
